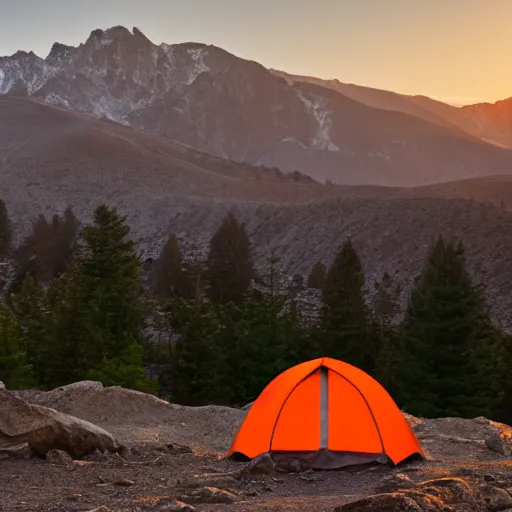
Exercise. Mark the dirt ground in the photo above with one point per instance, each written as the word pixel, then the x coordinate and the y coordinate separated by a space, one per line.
pixel 36 485
pixel 151 475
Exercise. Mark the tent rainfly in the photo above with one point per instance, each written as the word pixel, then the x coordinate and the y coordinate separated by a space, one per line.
pixel 330 413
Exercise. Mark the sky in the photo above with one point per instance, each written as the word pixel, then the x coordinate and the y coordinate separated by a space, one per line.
pixel 457 51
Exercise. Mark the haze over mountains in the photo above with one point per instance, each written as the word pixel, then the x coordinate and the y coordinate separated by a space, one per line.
pixel 207 98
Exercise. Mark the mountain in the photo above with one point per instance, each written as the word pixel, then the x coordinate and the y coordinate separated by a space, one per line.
pixel 489 122
pixel 206 98
pixel 51 157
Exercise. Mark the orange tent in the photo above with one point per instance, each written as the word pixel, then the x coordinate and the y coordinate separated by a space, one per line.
pixel 333 413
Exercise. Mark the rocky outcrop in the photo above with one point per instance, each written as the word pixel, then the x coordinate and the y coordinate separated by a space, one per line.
pixel 45 429
pixel 439 494
pixel 447 494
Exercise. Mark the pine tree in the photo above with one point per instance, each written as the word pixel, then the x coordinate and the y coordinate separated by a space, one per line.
pixel 258 340
pixel 386 301
pixel 191 374
pixel 169 279
pixel 76 347
pixel 229 267
pixel 47 251
pixel 15 370
pixel 126 370
pixel 5 231
pixel 36 323
pixel 385 309
pixel 448 348
pixel 33 256
pixel 109 270
pixel 344 326
pixel 502 410
pixel 316 279
pixel 65 234
pixel 88 322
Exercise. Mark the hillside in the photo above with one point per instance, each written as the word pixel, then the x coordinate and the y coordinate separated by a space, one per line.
pixel 489 122
pixel 215 102
pixel 52 158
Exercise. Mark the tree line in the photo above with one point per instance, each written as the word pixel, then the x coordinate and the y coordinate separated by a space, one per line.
pixel 221 330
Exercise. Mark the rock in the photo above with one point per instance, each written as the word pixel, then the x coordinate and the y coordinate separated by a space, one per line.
pixel 2 385
pixel 209 495
pixel 495 498
pixel 124 482
pixel 100 509
pixel 124 451
pixel 307 478
pixel 175 506
pixel 251 493
pixel 178 449
pixel 263 465
pixel 383 503
pixel 209 480
pixel 465 472
pixel 59 458
pixel 97 456
pixel 44 429
pixel 494 443
pixel 394 482
pixel 18 452
pixel 442 494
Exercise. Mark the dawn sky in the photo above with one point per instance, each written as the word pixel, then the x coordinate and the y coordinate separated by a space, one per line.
pixel 458 51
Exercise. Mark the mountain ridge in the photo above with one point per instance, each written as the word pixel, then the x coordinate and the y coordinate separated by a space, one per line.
pixel 464 118
pixel 209 99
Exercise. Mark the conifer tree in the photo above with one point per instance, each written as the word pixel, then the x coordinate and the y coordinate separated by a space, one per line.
pixel 448 348
pixel 47 251
pixel 92 318
pixel 109 280
pixel 344 327
pixel 385 309
pixel 316 279
pixel 191 374
pixel 65 234
pixel 502 410
pixel 169 280
pixel 386 301
pixel 258 340
pixel 5 231
pixel 33 256
pixel 36 323
pixel 229 266
pixel 76 349
pixel 15 370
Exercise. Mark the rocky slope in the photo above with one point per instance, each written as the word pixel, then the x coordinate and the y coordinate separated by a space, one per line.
pixel 211 100
pixel 491 122
pixel 52 158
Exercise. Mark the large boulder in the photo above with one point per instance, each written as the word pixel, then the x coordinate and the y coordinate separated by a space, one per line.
pixel 44 429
